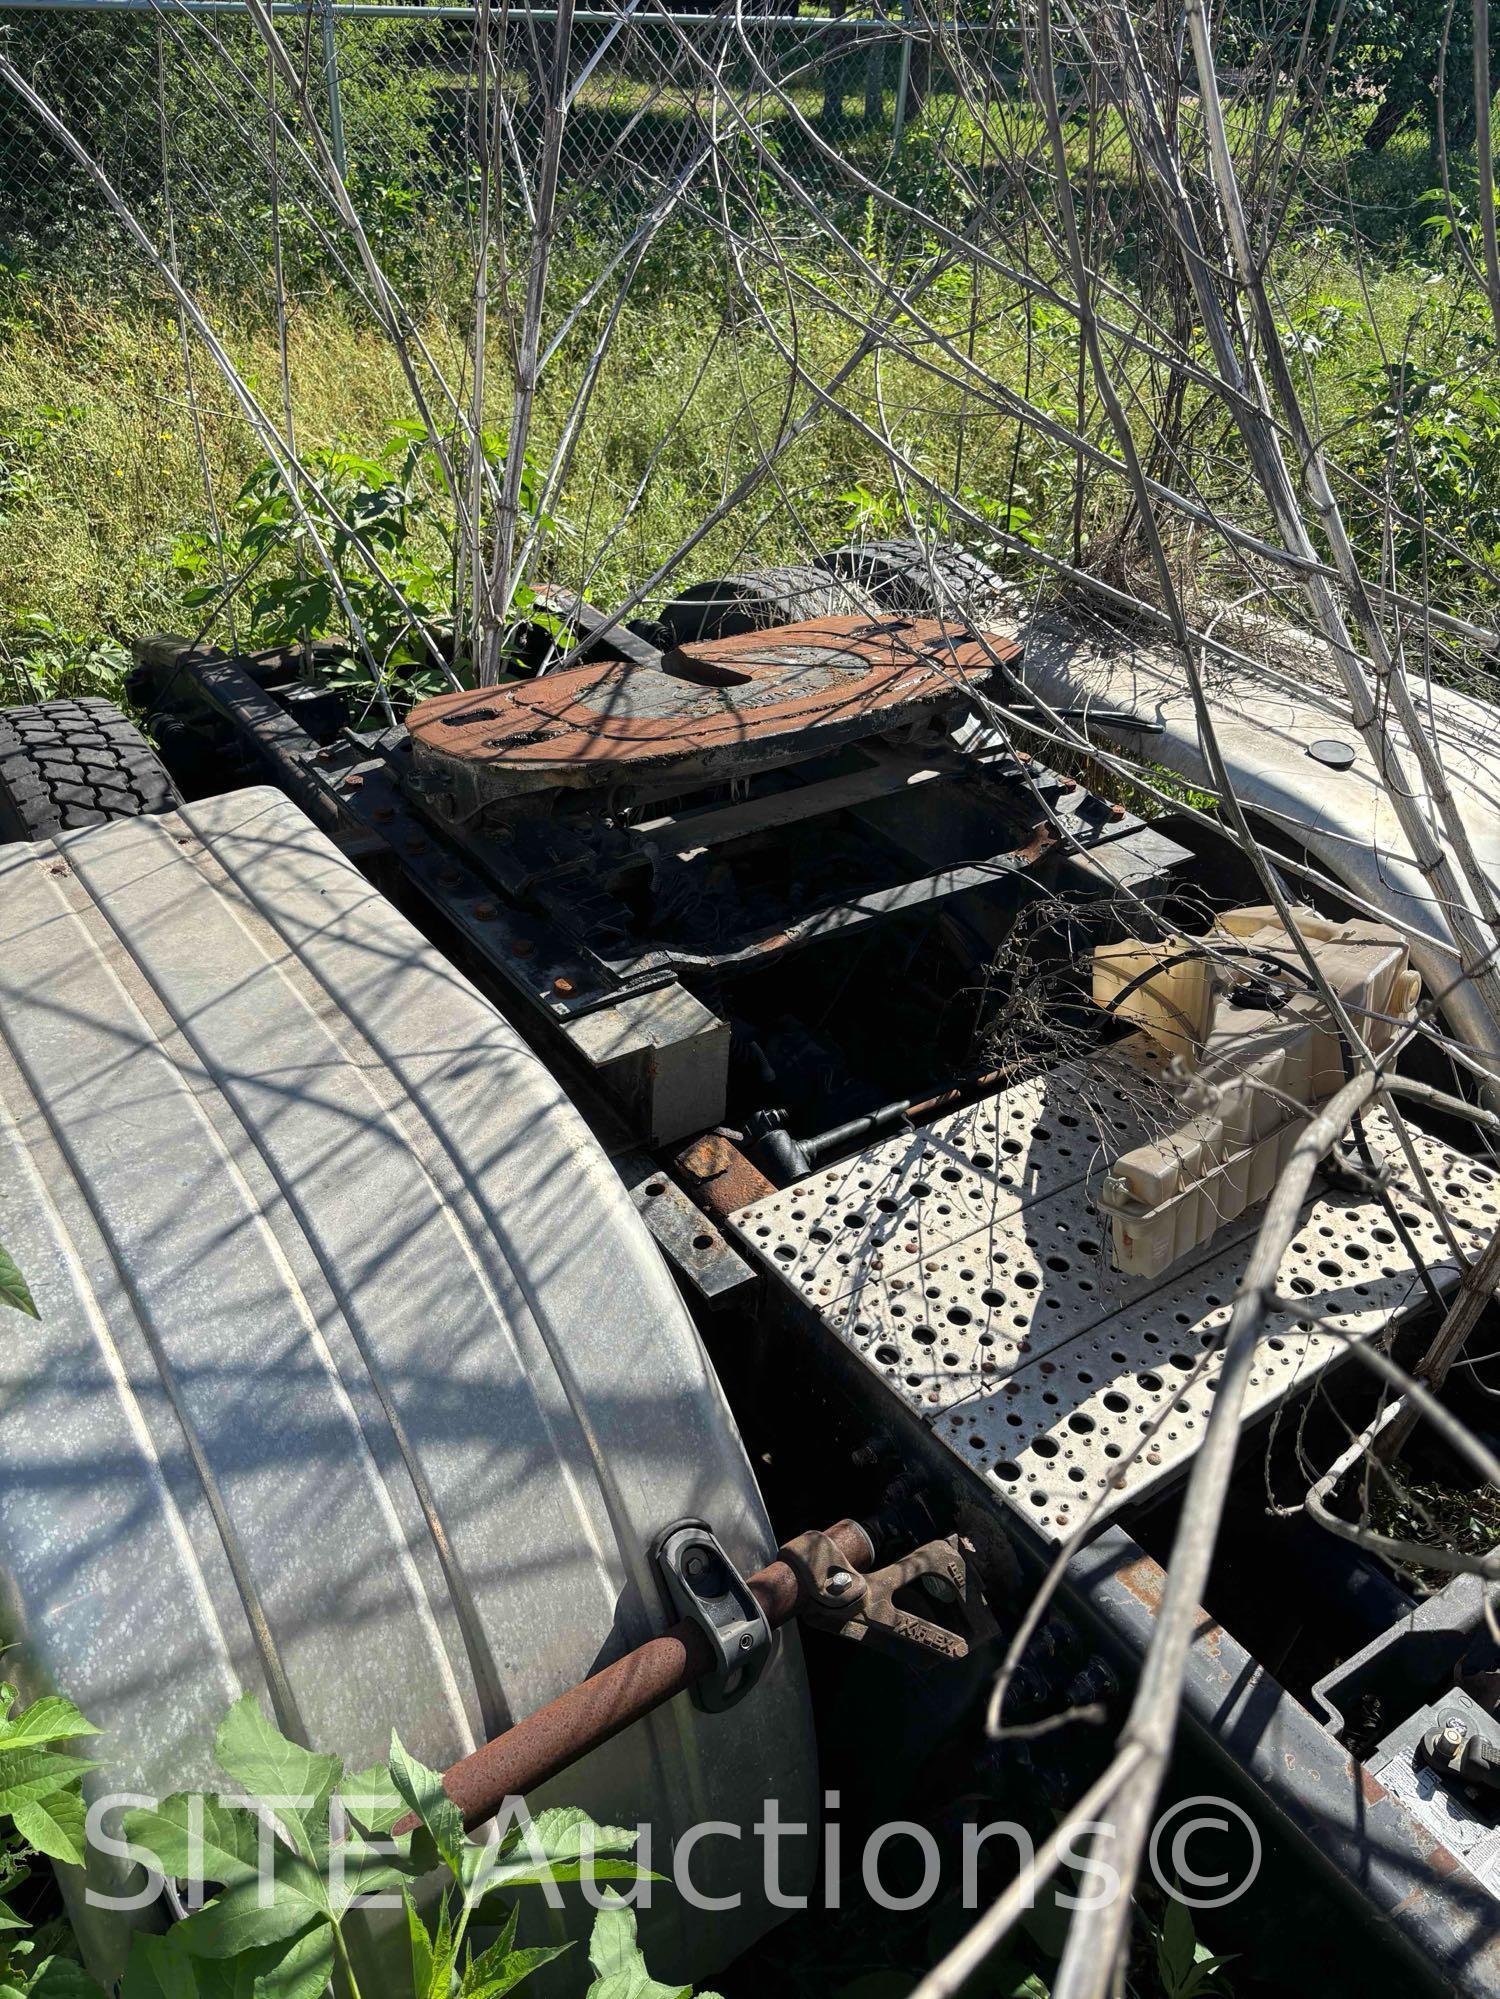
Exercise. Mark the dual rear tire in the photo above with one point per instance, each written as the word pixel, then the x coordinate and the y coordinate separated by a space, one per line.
pixel 65 765
pixel 862 579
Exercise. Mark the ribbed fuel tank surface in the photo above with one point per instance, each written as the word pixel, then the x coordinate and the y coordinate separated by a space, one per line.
pixel 358 1382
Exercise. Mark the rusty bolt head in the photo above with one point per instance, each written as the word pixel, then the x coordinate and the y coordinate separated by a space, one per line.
pixel 450 877
pixel 563 986
pixel 838 1582
pixel 485 912
pixel 383 813
pixel 353 780
pixel 416 843
pixel 522 948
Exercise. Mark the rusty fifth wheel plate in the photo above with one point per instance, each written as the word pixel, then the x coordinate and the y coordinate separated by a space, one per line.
pixel 717 706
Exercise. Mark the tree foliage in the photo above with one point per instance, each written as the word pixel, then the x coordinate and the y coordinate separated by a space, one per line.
pixel 1382 56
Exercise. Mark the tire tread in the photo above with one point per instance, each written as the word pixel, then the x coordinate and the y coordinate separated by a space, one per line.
pixel 71 763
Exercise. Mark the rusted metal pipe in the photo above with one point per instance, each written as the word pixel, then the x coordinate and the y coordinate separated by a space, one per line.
pixel 722 1180
pixel 617 1696
pixel 950 1099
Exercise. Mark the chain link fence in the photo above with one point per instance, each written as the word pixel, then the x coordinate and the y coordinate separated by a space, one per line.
pixel 177 103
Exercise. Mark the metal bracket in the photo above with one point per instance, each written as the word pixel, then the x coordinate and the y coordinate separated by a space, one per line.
pixel 838 1598
pixel 704 1587
pixel 585 619
pixel 688 1238
pixel 1454 1750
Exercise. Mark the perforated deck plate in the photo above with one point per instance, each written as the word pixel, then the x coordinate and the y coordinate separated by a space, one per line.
pixel 967 1265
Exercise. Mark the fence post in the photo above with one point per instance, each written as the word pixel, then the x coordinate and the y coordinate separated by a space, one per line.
pixel 331 85
pixel 903 77
pixel 875 70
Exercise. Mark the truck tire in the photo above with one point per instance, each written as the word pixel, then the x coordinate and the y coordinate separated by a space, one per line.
pixel 908 576
pixel 729 605
pixel 68 764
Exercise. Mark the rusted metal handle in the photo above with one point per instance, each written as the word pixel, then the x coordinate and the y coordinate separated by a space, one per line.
pixel 617 1696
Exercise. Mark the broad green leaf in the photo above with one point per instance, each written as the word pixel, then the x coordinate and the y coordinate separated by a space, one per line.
pixel 230 1977
pixel 256 1754
pixel 54 1825
pixel 13 1288
pixel 196 1838
pixel 360 1871
pixel 502 1967
pixel 62 1978
pixel 372 1800
pixel 300 1970
pixel 619 1968
pixel 556 1845
pixel 1199 1982
pixel 508 1874
pixel 251 1912
pixel 235 1922
pixel 506 1924
pixel 9 1920
pixel 421 1947
pixel 50 1719
pixel 29 1774
pixel 371 1863
pixel 440 1975
pixel 162 1967
pixel 159 1968
pixel 423 1791
pixel 565 1832
pixel 506 1973
pixel 1176 1945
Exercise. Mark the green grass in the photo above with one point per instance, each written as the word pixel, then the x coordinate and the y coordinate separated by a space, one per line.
pixel 101 482
pixel 100 477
